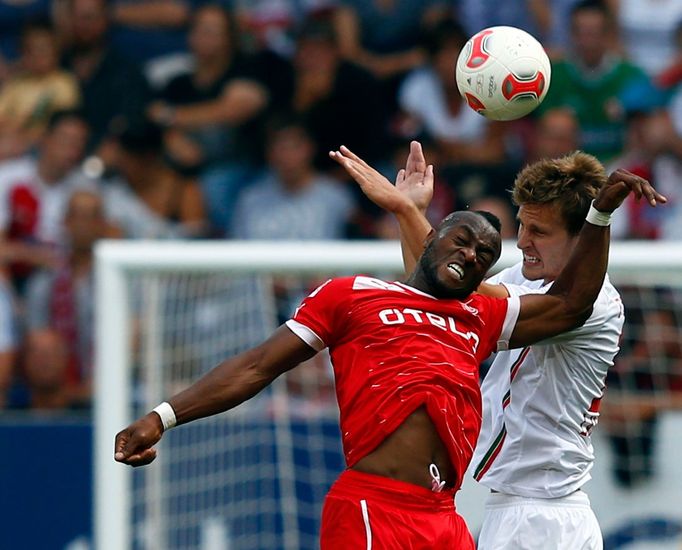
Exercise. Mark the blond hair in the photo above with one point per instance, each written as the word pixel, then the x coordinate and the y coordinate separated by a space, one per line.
pixel 571 181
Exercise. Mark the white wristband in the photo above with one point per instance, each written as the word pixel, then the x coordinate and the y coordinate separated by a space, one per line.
pixel 167 415
pixel 595 217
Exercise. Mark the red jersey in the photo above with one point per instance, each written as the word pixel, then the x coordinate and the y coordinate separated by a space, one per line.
pixel 395 348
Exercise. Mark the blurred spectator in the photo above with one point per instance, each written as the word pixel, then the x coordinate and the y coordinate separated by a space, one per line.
pixel 293 201
pixel 13 15
pixel 556 134
pixel 149 29
pixel 383 35
pixel 46 364
pixel 430 98
pixel 34 193
pixel 375 222
pixel 209 113
pixel 654 151
pixel 39 87
pixel 8 338
pixel 647 28
pixel 591 80
pixel 339 101
pixel 272 24
pixel 557 39
pixel 148 199
pixel 503 209
pixel 646 379
pixel 113 89
pixel 671 76
pixel 60 306
pixel 533 16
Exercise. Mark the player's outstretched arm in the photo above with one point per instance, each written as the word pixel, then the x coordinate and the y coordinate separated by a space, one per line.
pixel 568 303
pixel 226 386
pixel 407 200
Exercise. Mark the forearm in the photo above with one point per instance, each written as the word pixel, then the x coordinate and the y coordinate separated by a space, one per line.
pixel 414 228
pixel 568 302
pixel 580 281
pixel 226 386
pixel 239 103
pixel 241 377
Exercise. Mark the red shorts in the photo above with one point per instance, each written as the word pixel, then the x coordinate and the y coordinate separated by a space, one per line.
pixel 369 512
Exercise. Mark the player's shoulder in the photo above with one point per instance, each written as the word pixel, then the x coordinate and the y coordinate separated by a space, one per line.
pixel 512 275
pixel 609 302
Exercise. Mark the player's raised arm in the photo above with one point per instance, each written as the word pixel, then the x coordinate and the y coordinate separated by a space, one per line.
pixel 407 200
pixel 568 303
pixel 226 386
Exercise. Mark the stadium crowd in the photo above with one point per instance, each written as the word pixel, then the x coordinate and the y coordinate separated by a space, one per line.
pixel 161 119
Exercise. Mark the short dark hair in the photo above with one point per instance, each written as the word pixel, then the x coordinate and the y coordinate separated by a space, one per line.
pixel 591 5
pixel 436 36
pixel 492 219
pixel 60 116
pixel 453 217
pixel 38 24
pixel 141 138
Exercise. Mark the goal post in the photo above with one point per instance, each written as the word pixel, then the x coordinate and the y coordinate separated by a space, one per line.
pixel 166 312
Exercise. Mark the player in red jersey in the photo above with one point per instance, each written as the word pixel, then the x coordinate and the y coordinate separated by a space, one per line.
pixel 405 359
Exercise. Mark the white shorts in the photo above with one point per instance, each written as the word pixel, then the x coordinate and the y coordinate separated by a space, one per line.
pixel 520 523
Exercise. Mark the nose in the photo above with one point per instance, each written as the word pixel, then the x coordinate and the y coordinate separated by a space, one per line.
pixel 469 254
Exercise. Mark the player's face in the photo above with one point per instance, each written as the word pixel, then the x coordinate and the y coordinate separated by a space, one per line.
pixel 458 258
pixel 544 241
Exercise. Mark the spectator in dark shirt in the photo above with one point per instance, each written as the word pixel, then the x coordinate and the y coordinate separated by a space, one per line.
pixel 113 88
pixel 208 111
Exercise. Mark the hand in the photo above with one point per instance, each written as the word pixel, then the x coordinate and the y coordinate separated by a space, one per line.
pixel 377 188
pixel 134 445
pixel 619 185
pixel 416 180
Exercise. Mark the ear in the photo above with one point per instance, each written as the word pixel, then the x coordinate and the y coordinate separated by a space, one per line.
pixel 431 235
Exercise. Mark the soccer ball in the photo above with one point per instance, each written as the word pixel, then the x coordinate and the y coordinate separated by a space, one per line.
pixel 503 73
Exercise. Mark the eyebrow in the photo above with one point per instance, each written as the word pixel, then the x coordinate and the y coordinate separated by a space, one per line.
pixel 482 246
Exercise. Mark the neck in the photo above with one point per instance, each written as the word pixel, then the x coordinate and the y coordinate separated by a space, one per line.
pixel 80 261
pixel 210 69
pixel 47 173
pixel 418 280
pixel 296 179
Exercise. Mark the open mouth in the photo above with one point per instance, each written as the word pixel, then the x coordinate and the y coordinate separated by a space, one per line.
pixel 456 270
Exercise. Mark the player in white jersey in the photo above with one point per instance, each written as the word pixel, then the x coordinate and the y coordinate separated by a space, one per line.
pixel 540 403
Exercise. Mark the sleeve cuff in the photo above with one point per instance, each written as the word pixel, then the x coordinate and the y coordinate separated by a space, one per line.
pixel 513 308
pixel 305 334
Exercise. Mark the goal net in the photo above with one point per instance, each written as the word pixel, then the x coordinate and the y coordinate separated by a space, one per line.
pixel 255 477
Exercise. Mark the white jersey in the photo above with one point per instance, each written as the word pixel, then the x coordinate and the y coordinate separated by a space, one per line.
pixel 31 208
pixel 541 402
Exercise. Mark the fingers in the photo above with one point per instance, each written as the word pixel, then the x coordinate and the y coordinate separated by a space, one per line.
pixel 415 160
pixel 348 153
pixel 400 178
pixel 428 179
pixel 133 448
pixel 640 187
pixel 141 459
